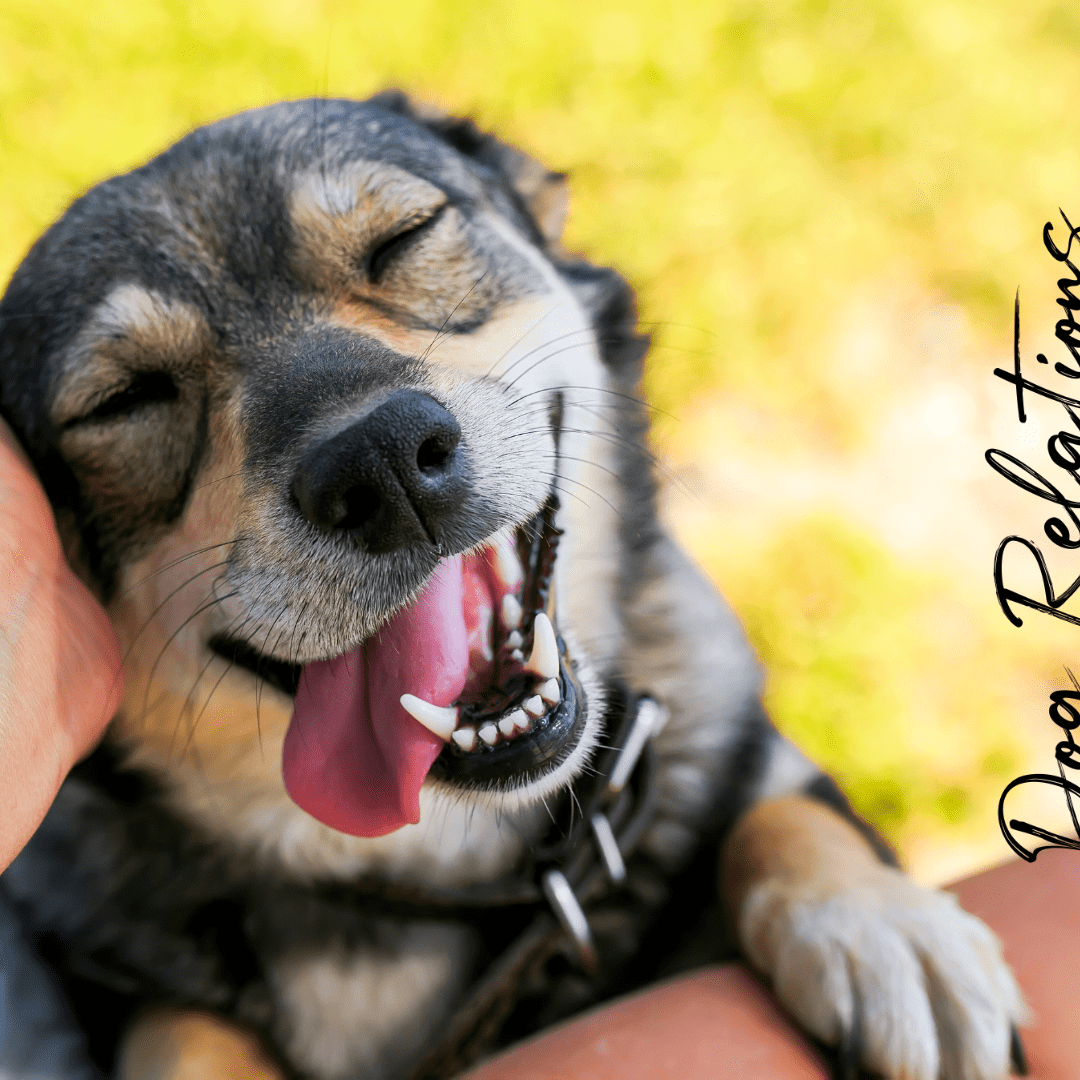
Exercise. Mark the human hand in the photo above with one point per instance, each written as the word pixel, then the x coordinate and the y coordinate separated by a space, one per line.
pixel 60 676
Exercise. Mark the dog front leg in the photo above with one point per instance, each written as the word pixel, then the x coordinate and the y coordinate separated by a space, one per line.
pixel 898 976
pixel 904 981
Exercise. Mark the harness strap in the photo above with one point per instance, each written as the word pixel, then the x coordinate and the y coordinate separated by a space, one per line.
pixel 474 1028
pixel 578 870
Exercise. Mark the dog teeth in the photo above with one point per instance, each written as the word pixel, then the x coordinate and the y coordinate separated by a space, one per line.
pixel 544 660
pixel 514 640
pixel 535 707
pixel 518 655
pixel 465 737
pixel 435 718
pixel 550 692
pixel 511 612
pixel 507 564
pixel 509 725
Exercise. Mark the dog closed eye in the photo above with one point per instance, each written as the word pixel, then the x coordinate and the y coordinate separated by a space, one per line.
pixel 146 389
pixel 399 243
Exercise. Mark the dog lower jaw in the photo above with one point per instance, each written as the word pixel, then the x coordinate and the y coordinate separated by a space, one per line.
pixel 518 729
pixel 526 754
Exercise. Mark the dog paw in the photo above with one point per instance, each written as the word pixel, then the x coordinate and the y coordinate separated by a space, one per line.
pixel 901 978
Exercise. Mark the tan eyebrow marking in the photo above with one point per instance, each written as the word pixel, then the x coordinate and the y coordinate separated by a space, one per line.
pixel 336 219
pixel 133 329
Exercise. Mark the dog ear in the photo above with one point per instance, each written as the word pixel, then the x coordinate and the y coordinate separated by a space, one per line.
pixel 542 195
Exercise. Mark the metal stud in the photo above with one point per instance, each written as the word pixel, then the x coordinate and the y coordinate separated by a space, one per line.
pixel 650 719
pixel 570 914
pixel 609 849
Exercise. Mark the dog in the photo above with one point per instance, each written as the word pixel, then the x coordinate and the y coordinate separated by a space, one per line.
pixel 430 735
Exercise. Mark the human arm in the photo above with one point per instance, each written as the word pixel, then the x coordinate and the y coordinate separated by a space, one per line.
pixel 60 661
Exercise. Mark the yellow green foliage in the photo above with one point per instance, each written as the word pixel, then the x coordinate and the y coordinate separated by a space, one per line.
pixel 863 657
pixel 750 165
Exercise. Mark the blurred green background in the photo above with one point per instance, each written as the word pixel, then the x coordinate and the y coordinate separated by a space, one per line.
pixel 825 207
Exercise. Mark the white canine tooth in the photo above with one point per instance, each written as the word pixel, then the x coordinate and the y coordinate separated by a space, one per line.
pixel 507 563
pixel 521 721
pixel 518 655
pixel 511 612
pixel 549 691
pixel 435 718
pixel 544 660
pixel 506 726
pixel 535 707
pixel 489 734
pixel 465 737
pixel 514 640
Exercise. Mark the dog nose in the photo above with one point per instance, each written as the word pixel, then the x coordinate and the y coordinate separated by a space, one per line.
pixel 390 479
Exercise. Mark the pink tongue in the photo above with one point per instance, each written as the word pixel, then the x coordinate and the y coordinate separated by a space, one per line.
pixel 353 757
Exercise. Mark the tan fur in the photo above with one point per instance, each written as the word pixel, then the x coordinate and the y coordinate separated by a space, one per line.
pixel 133 329
pixel 546 194
pixel 796 840
pixel 851 944
pixel 174 705
pixel 339 215
pixel 338 218
pixel 170 1044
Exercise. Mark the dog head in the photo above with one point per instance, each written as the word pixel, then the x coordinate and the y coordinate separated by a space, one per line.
pixel 332 425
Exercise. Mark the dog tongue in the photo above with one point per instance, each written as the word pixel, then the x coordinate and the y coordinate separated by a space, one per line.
pixel 353 757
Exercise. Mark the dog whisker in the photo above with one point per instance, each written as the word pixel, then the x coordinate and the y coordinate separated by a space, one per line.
pixel 177 562
pixel 185 706
pixel 188 701
pixel 231 628
pixel 149 680
pixel 580 331
pixel 213 690
pixel 571 480
pixel 543 360
pixel 206 703
pixel 259 681
pixel 506 352
pixel 205 606
pixel 618 440
pixel 427 352
pixel 219 480
pixel 643 451
pixel 632 402
pixel 153 615
pixel 582 461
